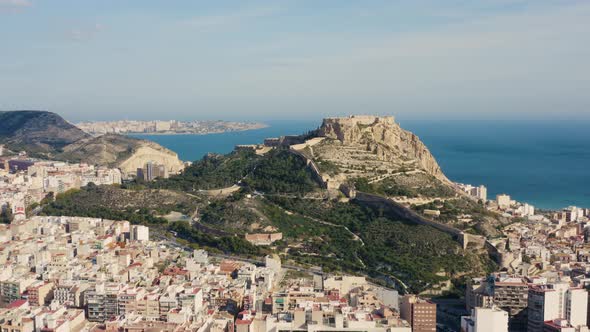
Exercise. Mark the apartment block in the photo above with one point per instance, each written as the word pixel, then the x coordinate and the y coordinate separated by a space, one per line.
pixel 420 313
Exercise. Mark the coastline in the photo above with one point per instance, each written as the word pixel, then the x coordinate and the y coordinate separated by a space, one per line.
pixel 172 133
pixel 512 163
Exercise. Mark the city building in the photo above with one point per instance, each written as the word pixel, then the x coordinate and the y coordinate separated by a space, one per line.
pixel 503 201
pixel 502 291
pixel 40 293
pixel 263 239
pixel 511 295
pixel 73 273
pixel 140 233
pixel 485 320
pixel 478 294
pixel 480 193
pixel 420 313
pixel 549 302
pixel 152 171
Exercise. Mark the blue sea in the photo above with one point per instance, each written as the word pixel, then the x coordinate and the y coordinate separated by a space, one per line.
pixel 546 164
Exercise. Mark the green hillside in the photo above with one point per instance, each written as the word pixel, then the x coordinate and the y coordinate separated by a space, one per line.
pixel 279 194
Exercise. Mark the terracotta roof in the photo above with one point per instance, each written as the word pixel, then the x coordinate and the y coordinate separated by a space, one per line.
pixel 16 304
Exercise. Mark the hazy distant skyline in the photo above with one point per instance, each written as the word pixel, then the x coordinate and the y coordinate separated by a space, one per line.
pixel 260 60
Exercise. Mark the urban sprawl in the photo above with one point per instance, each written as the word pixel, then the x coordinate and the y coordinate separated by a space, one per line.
pixel 165 127
pixel 85 274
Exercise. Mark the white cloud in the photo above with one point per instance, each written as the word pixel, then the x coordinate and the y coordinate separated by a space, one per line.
pixel 534 57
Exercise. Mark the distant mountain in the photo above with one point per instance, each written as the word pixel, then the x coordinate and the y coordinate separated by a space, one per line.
pixel 47 135
pixel 37 132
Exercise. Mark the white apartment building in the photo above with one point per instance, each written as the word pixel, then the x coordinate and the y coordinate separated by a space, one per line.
pixel 140 233
pixel 557 301
pixel 526 210
pixel 485 320
pixel 480 193
pixel 503 201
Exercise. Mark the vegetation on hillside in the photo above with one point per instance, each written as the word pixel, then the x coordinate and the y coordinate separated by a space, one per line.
pixel 480 219
pixel 402 185
pixel 313 242
pixel 328 167
pixel 231 214
pixel 212 172
pixel 338 236
pixel 412 253
pixel 108 202
pixel 67 204
pixel 278 171
pixel 225 244
pixel 281 171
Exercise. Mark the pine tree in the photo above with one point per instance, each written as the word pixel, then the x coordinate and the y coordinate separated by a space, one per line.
pixel 6 214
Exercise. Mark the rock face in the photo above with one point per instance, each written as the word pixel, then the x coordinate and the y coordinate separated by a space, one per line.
pixel 154 153
pixel 47 135
pixel 122 152
pixel 37 132
pixel 384 138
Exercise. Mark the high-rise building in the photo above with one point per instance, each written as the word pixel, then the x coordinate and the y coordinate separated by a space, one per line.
pixel 163 125
pixel 140 233
pixel 481 193
pixel 485 320
pixel 101 303
pixel 151 171
pixel 420 313
pixel 556 301
pixel 478 294
pixel 503 201
pixel 510 294
pixel 576 307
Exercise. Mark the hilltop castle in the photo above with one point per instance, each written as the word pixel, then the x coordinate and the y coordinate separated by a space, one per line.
pixel 364 120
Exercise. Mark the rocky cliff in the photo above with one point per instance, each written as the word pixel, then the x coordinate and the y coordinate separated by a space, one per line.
pixel 149 151
pixel 122 152
pixel 384 138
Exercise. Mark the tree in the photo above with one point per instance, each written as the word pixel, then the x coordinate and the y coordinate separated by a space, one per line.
pixel 50 197
pixel 6 214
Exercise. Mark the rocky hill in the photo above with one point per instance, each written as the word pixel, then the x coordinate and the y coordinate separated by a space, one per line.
pixel 377 140
pixel 120 151
pixel 373 154
pixel 37 132
pixel 47 135
pixel 280 193
pixel 284 190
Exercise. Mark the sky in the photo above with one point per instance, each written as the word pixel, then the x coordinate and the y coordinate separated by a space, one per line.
pixel 294 59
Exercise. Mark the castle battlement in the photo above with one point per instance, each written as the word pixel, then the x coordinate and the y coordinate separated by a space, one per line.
pixel 365 120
